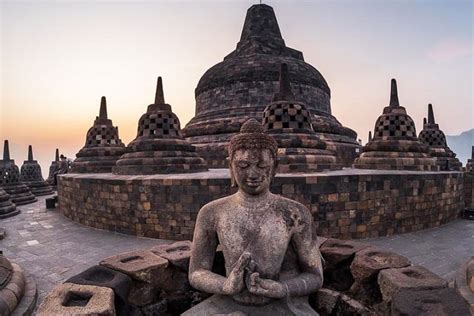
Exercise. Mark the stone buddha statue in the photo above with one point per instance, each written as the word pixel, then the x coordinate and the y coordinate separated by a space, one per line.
pixel 272 261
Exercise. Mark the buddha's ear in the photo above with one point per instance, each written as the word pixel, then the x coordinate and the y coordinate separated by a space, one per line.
pixel 232 178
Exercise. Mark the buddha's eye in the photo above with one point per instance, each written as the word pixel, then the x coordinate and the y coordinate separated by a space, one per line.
pixel 263 165
pixel 243 164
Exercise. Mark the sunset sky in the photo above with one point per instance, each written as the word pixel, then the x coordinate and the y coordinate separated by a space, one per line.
pixel 59 57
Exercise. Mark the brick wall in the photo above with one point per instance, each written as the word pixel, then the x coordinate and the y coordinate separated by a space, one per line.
pixel 346 204
pixel 469 190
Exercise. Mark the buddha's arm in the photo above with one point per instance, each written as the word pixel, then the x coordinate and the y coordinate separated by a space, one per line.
pixel 309 257
pixel 202 257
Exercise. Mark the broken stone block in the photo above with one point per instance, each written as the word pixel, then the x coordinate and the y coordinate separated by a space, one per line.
pixel 391 281
pixel 74 299
pixel 119 282
pixel 335 250
pixel 177 253
pixel 324 301
pixel 369 261
pixel 140 265
pixel 440 302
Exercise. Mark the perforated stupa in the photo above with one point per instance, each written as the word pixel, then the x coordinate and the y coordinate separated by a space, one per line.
pixel 289 122
pixel 159 146
pixel 10 180
pixel 32 177
pixel 432 136
pixel 53 168
pixel 394 144
pixel 103 146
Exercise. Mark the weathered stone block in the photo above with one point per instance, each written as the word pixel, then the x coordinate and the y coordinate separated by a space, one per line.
pixel 177 253
pixel 442 302
pixel 334 250
pixel 139 265
pixel 391 281
pixel 73 299
pixel 370 261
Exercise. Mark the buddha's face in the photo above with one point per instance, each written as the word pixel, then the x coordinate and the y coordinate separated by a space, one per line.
pixel 253 170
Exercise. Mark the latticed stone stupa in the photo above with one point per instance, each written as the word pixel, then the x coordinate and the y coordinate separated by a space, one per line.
pixel 394 144
pixel 159 146
pixel 289 122
pixel 103 146
pixel 241 86
pixel 432 136
pixel 32 177
pixel 53 169
pixel 10 180
pixel 7 207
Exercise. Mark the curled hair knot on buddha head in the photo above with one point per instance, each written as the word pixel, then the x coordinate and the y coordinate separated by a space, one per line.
pixel 253 136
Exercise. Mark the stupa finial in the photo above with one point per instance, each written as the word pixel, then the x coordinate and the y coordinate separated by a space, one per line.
pixel 30 153
pixel 159 96
pixel 431 119
pixel 260 21
pixel 472 152
pixel 394 94
pixel 370 136
pixel 284 93
pixel 6 150
pixel 103 108
pixel 56 157
pixel 424 121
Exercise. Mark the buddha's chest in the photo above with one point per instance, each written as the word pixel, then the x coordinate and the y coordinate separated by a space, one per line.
pixel 264 233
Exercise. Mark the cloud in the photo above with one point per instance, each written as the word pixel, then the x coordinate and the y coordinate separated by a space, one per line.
pixel 450 49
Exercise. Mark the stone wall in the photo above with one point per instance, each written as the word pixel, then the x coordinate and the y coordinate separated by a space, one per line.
pixel 346 204
pixel 469 190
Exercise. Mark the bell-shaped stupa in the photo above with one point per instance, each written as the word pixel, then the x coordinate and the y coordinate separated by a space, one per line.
pixel 53 169
pixel 289 122
pixel 394 144
pixel 7 207
pixel 432 136
pixel 103 146
pixel 32 177
pixel 10 180
pixel 159 146
pixel 242 85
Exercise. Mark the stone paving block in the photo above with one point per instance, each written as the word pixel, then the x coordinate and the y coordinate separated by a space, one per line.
pixel 370 261
pixel 178 253
pixel 392 281
pixel 73 299
pixel 140 265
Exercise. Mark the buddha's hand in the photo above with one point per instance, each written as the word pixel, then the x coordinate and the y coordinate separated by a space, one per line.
pixel 266 287
pixel 235 281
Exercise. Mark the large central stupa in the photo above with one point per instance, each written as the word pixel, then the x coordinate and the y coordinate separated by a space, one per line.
pixel 241 86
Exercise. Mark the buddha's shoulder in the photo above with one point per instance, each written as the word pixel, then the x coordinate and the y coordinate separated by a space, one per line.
pixel 285 203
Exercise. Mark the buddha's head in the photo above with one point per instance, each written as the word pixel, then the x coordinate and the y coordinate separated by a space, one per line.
pixel 253 158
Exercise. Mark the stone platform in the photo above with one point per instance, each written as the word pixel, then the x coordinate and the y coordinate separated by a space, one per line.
pixel 346 204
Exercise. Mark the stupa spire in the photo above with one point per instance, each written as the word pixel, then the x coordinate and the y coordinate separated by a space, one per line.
pixel 30 153
pixel 431 119
pixel 6 151
pixel 472 152
pixel 260 21
pixel 370 137
pixel 56 157
pixel 103 108
pixel 394 94
pixel 424 121
pixel 159 96
pixel 284 93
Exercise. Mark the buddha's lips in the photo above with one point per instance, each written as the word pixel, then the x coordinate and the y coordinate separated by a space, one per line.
pixel 254 183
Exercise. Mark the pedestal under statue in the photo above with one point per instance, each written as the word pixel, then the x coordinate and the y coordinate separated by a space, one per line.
pixel 271 258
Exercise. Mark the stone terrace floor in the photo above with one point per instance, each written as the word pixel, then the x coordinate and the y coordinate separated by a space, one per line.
pixel 53 248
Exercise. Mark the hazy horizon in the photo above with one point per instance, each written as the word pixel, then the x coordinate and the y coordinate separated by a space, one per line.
pixel 58 58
